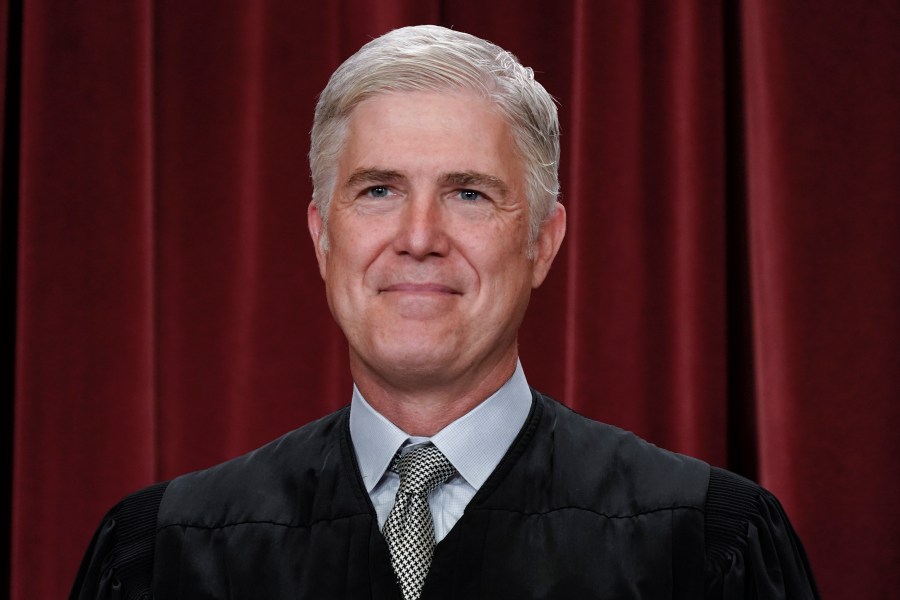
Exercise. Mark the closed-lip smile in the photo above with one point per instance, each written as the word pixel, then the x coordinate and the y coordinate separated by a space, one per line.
pixel 420 288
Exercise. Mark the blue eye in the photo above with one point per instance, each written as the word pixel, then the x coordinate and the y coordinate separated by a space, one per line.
pixel 469 195
pixel 378 191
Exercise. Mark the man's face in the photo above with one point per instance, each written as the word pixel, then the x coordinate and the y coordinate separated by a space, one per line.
pixel 427 270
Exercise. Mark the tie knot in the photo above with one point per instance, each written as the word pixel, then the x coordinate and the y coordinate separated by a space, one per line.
pixel 422 469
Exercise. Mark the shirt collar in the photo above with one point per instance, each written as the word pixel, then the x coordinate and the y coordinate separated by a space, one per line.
pixel 474 443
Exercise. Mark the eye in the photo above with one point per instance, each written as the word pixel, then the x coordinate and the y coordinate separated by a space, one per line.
pixel 470 195
pixel 378 191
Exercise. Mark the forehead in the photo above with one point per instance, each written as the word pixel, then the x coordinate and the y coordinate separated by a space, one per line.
pixel 417 132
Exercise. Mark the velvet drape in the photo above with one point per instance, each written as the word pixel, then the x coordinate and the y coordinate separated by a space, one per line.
pixel 729 287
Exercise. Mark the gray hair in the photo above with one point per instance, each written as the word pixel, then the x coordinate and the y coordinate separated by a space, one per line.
pixel 433 58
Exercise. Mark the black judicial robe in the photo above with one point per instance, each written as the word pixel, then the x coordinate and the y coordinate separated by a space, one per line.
pixel 576 509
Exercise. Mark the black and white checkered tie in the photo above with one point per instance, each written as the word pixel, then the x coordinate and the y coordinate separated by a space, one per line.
pixel 409 529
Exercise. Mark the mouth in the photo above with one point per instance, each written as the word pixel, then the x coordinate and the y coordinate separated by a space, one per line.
pixel 420 288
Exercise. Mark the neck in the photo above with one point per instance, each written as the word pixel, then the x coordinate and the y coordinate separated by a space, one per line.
pixel 423 408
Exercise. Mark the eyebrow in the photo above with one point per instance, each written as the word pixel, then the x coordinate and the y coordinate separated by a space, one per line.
pixel 361 176
pixel 454 179
pixel 475 179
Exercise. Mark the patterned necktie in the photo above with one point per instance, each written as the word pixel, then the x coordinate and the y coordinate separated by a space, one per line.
pixel 409 529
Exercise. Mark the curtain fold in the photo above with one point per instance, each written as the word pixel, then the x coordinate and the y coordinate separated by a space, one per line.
pixel 728 287
pixel 644 189
pixel 10 51
pixel 85 393
pixel 823 176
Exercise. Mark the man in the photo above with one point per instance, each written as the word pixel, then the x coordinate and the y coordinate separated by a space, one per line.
pixel 434 162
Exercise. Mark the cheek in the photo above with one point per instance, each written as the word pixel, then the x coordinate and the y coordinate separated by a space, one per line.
pixel 342 281
pixel 506 274
pixel 350 254
pixel 360 240
pixel 500 249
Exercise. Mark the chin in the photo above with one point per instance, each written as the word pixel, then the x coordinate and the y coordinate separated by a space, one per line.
pixel 415 360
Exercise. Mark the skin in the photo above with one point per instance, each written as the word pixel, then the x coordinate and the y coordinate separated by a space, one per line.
pixel 427 270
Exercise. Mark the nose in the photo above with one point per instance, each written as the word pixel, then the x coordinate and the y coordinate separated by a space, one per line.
pixel 422 228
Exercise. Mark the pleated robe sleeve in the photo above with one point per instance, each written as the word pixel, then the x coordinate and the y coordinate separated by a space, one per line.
pixel 118 564
pixel 752 550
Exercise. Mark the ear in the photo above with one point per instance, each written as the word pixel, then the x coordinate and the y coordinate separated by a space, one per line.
pixel 547 244
pixel 316 232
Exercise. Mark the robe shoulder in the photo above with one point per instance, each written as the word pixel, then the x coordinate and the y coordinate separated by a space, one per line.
pixel 254 487
pixel 752 550
pixel 569 460
pixel 306 475
pixel 749 548
pixel 120 555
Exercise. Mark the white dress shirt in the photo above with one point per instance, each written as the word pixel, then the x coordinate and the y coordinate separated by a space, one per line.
pixel 474 445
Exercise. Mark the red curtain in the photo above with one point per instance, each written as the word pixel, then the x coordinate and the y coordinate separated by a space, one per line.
pixel 729 286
